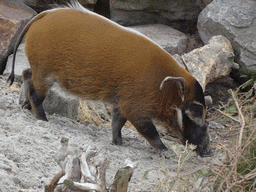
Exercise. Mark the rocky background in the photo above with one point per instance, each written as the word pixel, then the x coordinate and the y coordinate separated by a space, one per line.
pixel 216 40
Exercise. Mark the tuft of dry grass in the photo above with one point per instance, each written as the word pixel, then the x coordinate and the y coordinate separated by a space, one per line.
pixel 98 113
pixel 15 88
pixel 87 115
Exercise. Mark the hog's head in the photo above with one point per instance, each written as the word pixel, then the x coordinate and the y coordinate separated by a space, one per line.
pixel 191 115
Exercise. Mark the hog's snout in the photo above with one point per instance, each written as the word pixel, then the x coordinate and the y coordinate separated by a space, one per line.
pixel 204 151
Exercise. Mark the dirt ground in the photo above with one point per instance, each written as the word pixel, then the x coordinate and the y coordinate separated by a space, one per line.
pixel 28 145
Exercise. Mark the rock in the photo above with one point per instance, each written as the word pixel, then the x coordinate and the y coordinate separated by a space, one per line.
pixel 181 15
pixel 99 6
pixel 219 90
pixel 40 5
pixel 60 102
pixel 14 15
pixel 210 62
pixel 168 38
pixel 102 7
pixel 21 62
pixel 203 3
pixel 215 125
pixel 236 20
pixel 57 101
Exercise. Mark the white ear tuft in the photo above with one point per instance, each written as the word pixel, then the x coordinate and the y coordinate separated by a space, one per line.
pixel 180 82
pixel 174 79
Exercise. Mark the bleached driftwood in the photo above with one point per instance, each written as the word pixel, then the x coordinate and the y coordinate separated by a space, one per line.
pixel 86 171
pixel 62 153
pixel 93 168
pixel 87 176
pixel 123 176
pixel 82 187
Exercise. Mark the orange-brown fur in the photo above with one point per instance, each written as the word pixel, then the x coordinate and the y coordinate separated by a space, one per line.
pixel 94 58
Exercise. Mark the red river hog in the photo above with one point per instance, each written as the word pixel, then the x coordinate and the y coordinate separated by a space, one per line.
pixel 94 58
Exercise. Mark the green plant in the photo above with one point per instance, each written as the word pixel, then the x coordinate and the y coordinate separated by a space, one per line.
pixel 252 78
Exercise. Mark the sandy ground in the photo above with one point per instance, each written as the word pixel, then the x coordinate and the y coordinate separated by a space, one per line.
pixel 28 145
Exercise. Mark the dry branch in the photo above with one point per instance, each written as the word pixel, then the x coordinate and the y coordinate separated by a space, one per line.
pixel 242 121
pixel 227 115
pixel 82 187
pixel 51 186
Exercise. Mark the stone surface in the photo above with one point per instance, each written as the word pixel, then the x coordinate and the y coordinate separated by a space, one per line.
pixel 13 17
pixel 99 6
pixel 57 101
pixel 203 3
pixel 102 7
pixel 236 20
pixel 211 61
pixel 21 62
pixel 215 125
pixel 168 38
pixel 42 5
pixel 181 15
pixel 60 102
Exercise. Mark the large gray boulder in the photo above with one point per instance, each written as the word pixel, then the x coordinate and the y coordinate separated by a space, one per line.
pixel 14 15
pixel 236 20
pixel 181 15
pixel 170 39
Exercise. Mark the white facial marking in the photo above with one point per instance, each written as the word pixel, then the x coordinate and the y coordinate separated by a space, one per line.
pixel 179 118
pixel 198 120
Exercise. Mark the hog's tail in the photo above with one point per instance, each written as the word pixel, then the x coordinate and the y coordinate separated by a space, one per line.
pixel 23 32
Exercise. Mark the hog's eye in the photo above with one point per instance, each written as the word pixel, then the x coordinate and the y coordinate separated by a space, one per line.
pixel 195 110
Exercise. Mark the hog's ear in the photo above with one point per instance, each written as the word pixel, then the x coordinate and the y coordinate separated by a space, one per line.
pixel 179 81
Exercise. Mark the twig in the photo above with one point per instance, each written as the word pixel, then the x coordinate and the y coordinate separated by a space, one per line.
pixel 234 119
pixel 242 119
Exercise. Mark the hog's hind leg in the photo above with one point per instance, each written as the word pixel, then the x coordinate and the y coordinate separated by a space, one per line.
pixel 36 94
pixel 36 102
pixel 27 81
